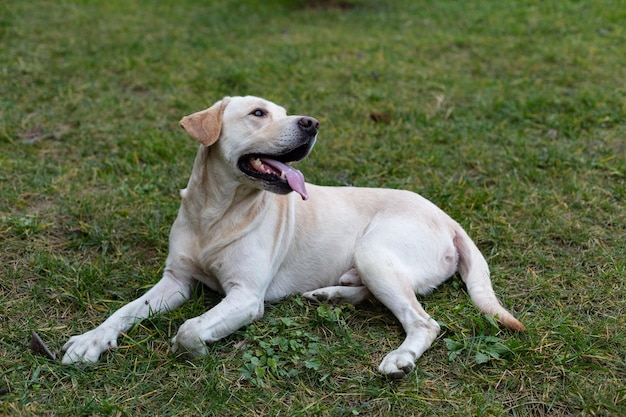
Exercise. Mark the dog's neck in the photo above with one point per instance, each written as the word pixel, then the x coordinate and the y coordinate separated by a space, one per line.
pixel 210 196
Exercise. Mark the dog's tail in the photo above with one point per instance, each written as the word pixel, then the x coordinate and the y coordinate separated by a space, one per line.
pixel 475 272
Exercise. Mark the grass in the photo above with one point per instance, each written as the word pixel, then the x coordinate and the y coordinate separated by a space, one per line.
pixel 511 117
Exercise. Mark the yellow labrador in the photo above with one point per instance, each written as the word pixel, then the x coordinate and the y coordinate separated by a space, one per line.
pixel 241 231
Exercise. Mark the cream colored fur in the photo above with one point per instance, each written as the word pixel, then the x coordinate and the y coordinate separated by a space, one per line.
pixel 343 244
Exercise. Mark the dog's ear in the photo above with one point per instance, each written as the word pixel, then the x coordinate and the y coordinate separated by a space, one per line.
pixel 205 126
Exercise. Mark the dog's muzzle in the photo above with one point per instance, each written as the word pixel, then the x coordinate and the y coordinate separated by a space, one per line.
pixel 274 171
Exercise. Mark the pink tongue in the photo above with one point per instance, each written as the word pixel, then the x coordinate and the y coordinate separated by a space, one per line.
pixel 295 179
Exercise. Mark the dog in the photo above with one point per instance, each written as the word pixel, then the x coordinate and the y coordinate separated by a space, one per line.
pixel 250 228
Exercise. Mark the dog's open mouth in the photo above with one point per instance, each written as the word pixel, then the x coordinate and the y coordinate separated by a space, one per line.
pixel 275 170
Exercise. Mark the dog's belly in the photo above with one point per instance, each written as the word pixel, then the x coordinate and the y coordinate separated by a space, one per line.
pixel 297 280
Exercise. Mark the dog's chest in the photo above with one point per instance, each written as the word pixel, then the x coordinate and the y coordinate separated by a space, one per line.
pixel 210 281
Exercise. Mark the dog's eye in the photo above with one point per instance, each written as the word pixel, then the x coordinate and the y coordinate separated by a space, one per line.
pixel 258 113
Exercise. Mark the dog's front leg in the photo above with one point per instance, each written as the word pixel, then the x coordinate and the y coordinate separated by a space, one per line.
pixel 238 308
pixel 168 294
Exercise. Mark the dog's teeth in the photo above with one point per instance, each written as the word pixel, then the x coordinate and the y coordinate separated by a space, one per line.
pixel 258 165
pixel 282 175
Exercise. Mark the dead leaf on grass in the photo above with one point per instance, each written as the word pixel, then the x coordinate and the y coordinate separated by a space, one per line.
pixel 38 346
pixel 33 135
pixel 380 117
pixel 38 133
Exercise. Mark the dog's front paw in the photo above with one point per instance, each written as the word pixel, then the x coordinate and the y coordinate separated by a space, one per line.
pixel 88 346
pixel 397 364
pixel 188 339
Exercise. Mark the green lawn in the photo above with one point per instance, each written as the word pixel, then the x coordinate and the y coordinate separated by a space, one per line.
pixel 511 116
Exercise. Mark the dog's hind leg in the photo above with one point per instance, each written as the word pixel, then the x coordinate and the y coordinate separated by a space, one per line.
pixel 389 279
pixel 350 291
pixel 338 295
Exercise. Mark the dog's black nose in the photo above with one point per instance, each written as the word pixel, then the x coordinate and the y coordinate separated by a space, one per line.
pixel 309 125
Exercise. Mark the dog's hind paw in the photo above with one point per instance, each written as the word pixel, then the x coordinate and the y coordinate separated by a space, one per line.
pixel 338 295
pixel 318 296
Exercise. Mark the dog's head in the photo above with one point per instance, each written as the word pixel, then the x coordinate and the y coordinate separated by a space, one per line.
pixel 257 140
